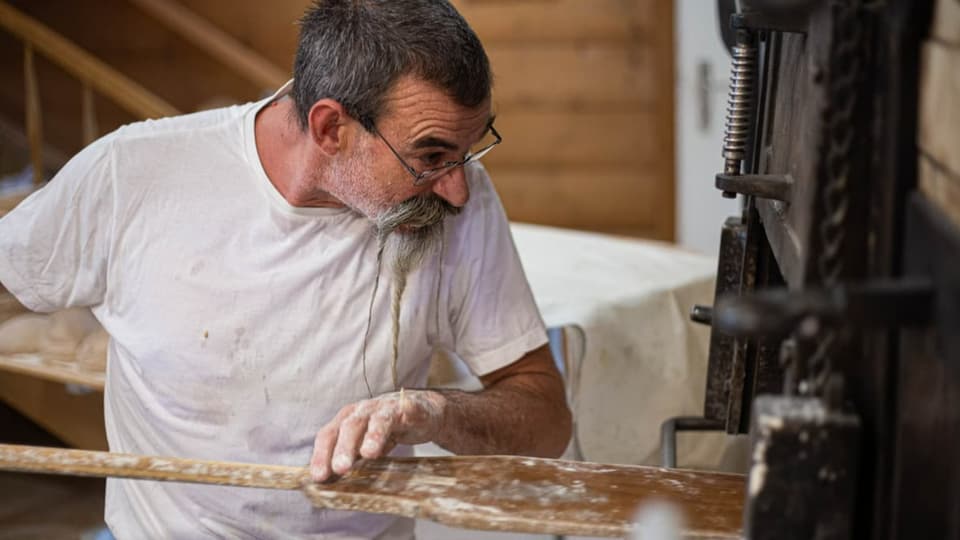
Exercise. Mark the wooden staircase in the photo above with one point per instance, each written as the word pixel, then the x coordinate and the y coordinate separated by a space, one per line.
pixel 71 82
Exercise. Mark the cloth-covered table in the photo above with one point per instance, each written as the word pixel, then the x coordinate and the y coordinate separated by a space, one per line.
pixel 644 361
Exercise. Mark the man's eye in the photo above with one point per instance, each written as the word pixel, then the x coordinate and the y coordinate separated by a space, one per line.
pixel 435 158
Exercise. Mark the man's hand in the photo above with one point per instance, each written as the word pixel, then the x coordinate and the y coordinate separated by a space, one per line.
pixel 522 410
pixel 371 428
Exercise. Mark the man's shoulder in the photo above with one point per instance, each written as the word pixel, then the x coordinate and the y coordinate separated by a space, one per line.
pixel 191 124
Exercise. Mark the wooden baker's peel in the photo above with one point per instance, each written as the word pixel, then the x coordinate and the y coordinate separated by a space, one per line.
pixel 502 493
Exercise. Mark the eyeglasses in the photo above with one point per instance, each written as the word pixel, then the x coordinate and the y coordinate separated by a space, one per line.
pixel 420 178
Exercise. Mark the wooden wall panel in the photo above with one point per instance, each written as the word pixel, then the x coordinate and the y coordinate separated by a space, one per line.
pixel 272 31
pixel 563 21
pixel 584 99
pixel 572 192
pixel 574 76
pixel 558 137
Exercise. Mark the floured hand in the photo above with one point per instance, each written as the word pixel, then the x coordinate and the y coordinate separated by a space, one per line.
pixel 371 428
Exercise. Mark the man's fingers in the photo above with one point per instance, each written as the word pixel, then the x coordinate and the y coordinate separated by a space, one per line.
pixel 378 431
pixel 369 429
pixel 324 443
pixel 351 434
pixel 323 446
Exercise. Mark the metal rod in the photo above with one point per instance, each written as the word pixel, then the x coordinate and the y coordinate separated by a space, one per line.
pixel 668 434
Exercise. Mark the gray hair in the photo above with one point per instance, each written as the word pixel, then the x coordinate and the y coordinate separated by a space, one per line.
pixel 353 51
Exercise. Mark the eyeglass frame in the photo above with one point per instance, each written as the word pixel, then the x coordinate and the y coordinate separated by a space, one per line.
pixel 423 177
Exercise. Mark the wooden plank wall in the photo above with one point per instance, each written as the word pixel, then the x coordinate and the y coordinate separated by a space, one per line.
pixel 939 130
pixel 584 93
pixel 584 97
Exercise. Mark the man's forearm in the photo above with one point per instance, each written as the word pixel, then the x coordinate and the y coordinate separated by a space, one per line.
pixel 527 417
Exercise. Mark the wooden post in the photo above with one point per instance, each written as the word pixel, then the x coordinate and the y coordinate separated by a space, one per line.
pixel 89 114
pixel 34 119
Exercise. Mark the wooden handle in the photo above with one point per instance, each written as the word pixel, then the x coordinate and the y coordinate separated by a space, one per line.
pixel 92 463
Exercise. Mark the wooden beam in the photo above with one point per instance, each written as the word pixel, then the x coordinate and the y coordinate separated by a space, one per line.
pixel 215 42
pixel 84 66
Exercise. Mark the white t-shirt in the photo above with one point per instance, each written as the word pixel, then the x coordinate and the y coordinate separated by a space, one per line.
pixel 237 320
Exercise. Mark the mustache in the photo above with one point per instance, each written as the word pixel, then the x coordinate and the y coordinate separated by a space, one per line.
pixel 417 213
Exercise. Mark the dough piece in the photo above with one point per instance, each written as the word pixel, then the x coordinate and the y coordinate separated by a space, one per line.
pixel 92 352
pixel 24 333
pixel 67 329
pixel 58 333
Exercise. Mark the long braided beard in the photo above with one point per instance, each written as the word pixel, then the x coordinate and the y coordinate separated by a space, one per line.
pixel 420 224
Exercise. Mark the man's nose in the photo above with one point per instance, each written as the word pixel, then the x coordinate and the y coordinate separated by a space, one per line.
pixel 452 187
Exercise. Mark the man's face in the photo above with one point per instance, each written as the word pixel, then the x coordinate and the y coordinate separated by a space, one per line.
pixel 426 128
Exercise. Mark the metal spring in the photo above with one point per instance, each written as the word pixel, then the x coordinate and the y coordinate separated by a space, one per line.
pixel 739 105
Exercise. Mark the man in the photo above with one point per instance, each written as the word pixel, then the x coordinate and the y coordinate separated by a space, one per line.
pixel 276 276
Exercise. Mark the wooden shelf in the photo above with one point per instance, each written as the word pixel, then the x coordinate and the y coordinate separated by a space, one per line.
pixel 52 368
pixel 48 367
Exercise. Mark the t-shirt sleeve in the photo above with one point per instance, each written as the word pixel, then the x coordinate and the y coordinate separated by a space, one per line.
pixel 54 246
pixel 495 320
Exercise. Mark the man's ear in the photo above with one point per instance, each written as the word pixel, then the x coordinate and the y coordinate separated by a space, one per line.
pixel 327 122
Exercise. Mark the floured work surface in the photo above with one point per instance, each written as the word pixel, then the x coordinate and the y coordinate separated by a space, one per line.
pixel 503 493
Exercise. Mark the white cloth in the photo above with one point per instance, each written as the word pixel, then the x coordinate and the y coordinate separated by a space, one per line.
pixel 645 361
pixel 238 320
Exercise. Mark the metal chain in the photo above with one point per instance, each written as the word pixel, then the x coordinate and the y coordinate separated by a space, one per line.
pixel 836 161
